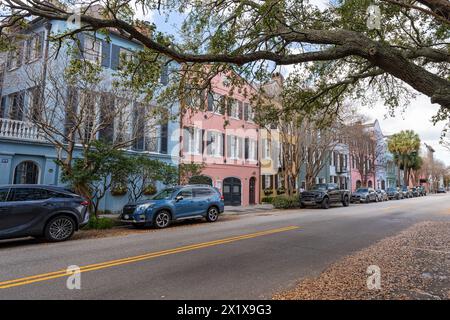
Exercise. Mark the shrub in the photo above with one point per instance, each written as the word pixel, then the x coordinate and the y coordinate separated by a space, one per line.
pixel 285 202
pixel 267 200
pixel 99 223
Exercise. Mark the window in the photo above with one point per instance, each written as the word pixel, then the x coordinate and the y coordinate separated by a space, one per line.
pixel 233 108
pixel 15 57
pixel 27 172
pixel 266 148
pixel 34 106
pixel 34 48
pixel 214 144
pixel 16 105
pixel 4 194
pixel 248 112
pixel 29 194
pixel 192 140
pixel 88 113
pixel 216 103
pixel 185 193
pixel 234 147
pixel 250 149
pixel 267 181
pixel 202 192
pixel 126 56
pixel 92 50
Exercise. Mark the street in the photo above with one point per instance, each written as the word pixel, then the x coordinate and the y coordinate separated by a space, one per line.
pixel 251 256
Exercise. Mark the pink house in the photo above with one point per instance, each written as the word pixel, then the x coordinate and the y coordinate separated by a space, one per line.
pixel 356 178
pixel 225 139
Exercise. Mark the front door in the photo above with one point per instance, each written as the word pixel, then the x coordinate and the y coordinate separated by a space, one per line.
pixel 232 191
pixel 252 190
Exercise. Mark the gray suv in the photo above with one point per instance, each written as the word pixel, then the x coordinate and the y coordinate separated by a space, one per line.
pixel 40 211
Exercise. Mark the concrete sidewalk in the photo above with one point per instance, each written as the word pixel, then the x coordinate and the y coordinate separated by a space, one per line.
pixel 228 210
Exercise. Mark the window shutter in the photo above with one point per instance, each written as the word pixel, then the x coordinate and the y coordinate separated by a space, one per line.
pixel 80 44
pixel 20 53
pixel 223 145
pixel 106 109
pixel 29 42
pixel 208 142
pixel 271 181
pixel 71 107
pixel 106 54
pixel 210 101
pixel 276 181
pixel 229 104
pixel 164 74
pixel 164 138
pixel 263 180
pixel 222 105
pixel 246 111
pixel 246 146
pixel 41 37
pixel 240 147
pixel 186 138
pixel 229 146
pixel 241 110
pixel 115 57
pixel 3 107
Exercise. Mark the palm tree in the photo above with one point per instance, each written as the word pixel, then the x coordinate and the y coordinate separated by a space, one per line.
pixel 403 146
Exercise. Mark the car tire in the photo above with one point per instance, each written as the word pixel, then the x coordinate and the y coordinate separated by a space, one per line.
pixel 325 203
pixel 59 228
pixel 162 219
pixel 367 199
pixel 212 215
pixel 346 202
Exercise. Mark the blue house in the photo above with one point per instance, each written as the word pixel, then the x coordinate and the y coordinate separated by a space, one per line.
pixel 27 151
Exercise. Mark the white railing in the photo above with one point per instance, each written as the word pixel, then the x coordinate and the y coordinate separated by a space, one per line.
pixel 15 129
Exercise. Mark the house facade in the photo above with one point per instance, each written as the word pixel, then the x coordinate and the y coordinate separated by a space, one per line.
pixel 26 155
pixel 224 138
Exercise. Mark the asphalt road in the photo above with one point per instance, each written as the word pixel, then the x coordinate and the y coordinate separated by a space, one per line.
pixel 248 257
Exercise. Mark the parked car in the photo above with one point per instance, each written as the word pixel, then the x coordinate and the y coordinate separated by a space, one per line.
pixel 324 194
pixel 382 195
pixel 393 193
pixel 441 190
pixel 40 211
pixel 407 193
pixel 364 195
pixel 415 192
pixel 422 190
pixel 175 203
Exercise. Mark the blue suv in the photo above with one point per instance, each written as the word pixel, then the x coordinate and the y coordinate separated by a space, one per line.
pixel 175 203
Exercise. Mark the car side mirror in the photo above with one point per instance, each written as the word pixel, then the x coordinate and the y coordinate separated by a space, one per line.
pixel 178 198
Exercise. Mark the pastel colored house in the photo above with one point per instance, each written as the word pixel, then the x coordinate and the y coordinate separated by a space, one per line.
pixel 26 156
pixel 225 139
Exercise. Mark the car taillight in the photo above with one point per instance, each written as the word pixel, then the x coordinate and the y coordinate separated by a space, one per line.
pixel 222 198
pixel 85 203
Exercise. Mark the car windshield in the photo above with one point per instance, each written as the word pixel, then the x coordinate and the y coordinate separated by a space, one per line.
pixel 164 194
pixel 391 189
pixel 320 186
pixel 362 190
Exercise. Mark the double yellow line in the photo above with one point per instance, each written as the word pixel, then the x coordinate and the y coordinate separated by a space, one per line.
pixel 112 263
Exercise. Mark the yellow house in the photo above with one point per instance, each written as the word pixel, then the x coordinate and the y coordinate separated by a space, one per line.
pixel 270 146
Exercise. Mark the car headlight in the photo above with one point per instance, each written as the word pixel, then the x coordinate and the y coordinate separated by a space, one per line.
pixel 144 206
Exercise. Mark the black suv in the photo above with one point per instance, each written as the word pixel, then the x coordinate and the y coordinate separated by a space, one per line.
pixel 324 194
pixel 40 211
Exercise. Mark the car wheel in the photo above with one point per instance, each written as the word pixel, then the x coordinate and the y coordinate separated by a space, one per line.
pixel 59 228
pixel 367 199
pixel 162 219
pixel 346 202
pixel 212 215
pixel 325 203
pixel 376 199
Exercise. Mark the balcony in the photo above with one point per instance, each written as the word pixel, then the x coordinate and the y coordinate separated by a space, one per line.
pixel 20 130
pixel 342 169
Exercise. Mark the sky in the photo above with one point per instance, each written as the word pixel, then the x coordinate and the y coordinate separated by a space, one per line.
pixel 417 115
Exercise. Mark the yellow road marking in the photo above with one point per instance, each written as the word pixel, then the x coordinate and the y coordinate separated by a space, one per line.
pixel 112 263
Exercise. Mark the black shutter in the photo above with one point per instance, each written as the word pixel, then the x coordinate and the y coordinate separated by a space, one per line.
pixel 271 182
pixel 115 57
pixel 241 110
pixel 208 142
pixel 246 151
pixel 3 107
pixel 223 144
pixel 263 180
pixel 106 110
pixel 164 138
pixel 276 181
pixel 106 54
pixel 210 102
